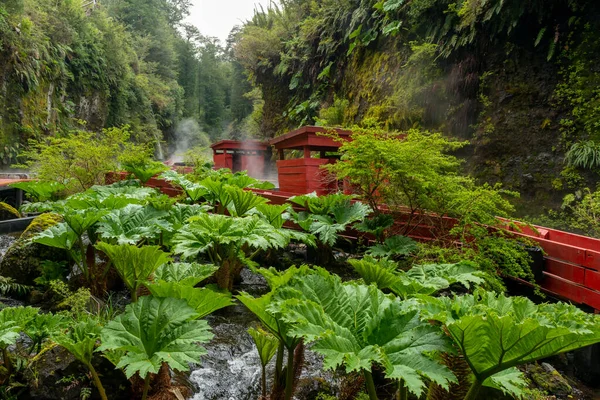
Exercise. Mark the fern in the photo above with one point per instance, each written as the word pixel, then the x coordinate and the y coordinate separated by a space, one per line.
pixel 584 155
pixel 10 286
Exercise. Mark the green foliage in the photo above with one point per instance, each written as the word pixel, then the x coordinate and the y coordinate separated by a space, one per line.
pixel 9 286
pixel 193 190
pixel 203 300
pixel 50 271
pixel 414 172
pixel 326 216
pixel 420 279
pixel 80 340
pixel 333 115
pixel 356 326
pixel 134 264
pixel 144 169
pixel 577 92
pixel 156 330
pixel 77 303
pixel 495 333
pixel 376 225
pixel 393 246
pixel 42 326
pixel 133 224
pixel 229 242
pixel 189 274
pixel 272 213
pixel 584 210
pixel 276 326
pixel 503 256
pixel 584 155
pixel 59 235
pixel 243 201
pixel 267 345
pixel 80 159
pixel 12 321
pixel 40 190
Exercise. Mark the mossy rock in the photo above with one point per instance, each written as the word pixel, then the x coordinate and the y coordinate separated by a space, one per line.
pixel 8 212
pixel 57 375
pixel 549 380
pixel 23 258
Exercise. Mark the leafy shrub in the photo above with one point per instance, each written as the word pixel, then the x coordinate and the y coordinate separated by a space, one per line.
pixel 80 340
pixel 413 172
pixel 134 264
pixel 80 159
pixel 229 242
pixel 585 213
pixel 420 279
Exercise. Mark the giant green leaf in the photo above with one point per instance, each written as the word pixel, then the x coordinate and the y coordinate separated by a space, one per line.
pixel 80 339
pixel 242 201
pixel 495 332
pixel 134 264
pixel 356 326
pixel 155 330
pixel 189 274
pixel 59 235
pixel 203 300
pixel 420 279
pixel 133 223
pixel 82 220
pixel 266 344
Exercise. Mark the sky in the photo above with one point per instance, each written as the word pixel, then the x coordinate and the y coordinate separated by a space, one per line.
pixel 217 17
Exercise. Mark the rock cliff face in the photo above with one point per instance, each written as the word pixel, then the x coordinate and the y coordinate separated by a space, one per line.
pixel 519 80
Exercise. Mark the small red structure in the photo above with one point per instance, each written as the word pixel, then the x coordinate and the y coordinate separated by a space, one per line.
pixel 249 155
pixel 304 175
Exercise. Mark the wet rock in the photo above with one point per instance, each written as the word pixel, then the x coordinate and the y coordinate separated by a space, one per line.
pixel 22 259
pixel 56 375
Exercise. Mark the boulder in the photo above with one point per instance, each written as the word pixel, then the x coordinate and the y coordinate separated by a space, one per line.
pixel 22 259
pixel 57 375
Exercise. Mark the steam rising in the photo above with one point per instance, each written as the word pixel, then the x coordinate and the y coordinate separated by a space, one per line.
pixel 189 137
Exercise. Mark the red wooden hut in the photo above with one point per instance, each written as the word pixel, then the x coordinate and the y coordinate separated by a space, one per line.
pixel 249 155
pixel 305 175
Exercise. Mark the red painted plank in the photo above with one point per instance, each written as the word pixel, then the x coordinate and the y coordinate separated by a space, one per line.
pixel 573 239
pixel 592 279
pixel 571 272
pixel 571 291
pixel 592 259
pixel 570 254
